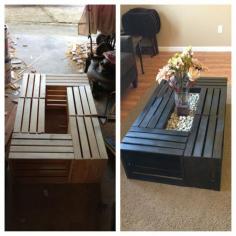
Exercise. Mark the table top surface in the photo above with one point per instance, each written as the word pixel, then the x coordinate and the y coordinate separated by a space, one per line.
pixel 205 139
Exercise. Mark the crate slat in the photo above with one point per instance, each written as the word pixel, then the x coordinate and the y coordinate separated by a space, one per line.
pixel 24 85
pixel 34 116
pixel 26 115
pixel 30 87
pixel 34 155
pixel 19 115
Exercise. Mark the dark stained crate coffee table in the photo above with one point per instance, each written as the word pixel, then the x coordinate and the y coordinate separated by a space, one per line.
pixel 150 152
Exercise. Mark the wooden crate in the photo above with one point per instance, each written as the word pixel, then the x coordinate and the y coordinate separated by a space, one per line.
pixel 149 152
pixel 78 156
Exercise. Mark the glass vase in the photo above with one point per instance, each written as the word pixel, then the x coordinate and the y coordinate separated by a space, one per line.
pixel 182 105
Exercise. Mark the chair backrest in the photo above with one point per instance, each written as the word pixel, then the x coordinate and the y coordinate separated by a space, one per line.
pixel 141 21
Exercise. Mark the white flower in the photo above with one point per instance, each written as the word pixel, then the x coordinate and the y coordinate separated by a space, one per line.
pixel 163 74
pixel 187 52
pixel 193 74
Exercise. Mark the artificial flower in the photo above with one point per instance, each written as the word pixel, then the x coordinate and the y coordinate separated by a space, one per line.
pixel 181 69
pixel 193 74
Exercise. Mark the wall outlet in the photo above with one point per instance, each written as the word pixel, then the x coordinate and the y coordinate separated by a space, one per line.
pixel 220 29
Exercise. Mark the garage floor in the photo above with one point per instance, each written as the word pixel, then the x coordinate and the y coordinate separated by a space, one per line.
pixel 55 207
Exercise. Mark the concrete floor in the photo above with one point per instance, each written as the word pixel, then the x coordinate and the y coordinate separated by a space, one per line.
pixel 49 14
pixel 45 38
pixel 55 207
pixel 47 44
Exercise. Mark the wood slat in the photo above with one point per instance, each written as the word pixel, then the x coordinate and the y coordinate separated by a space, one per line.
pixel 55 96
pixel 42 136
pixel 55 156
pixel 90 100
pixel 150 149
pixel 24 85
pixel 219 135
pixel 84 100
pixel 56 101
pixel 36 86
pixel 26 116
pixel 43 149
pixel 34 116
pixel 66 84
pixel 209 142
pixel 155 143
pixel 19 115
pixel 41 116
pixel 91 137
pixel 208 101
pixel 77 77
pixel 78 104
pixel 71 103
pixel 83 137
pixel 192 136
pixel 163 137
pixel 201 101
pixel 212 79
pixel 43 86
pixel 222 103
pixel 200 141
pixel 99 137
pixel 158 131
pixel 40 142
pixel 66 80
pixel 39 162
pixel 215 102
pixel 30 86
pixel 75 137
pixel 41 166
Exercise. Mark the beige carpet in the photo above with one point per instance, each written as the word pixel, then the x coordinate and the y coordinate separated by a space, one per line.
pixel 162 207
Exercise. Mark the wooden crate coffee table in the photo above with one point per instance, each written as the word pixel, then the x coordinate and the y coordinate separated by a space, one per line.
pixel 150 152
pixel 78 155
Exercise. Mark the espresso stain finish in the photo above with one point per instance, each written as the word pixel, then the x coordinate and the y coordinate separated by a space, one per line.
pixel 149 152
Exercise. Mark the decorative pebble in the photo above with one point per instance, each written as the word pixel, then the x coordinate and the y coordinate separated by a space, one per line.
pixel 184 123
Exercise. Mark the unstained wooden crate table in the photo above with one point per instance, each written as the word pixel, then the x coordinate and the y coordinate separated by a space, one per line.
pixel 76 156
pixel 150 152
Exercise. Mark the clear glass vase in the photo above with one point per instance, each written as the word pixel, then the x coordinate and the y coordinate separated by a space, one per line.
pixel 182 105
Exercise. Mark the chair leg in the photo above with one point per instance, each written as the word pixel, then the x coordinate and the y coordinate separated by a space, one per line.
pixel 135 83
pixel 153 48
pixel 140 57
pixel 156 45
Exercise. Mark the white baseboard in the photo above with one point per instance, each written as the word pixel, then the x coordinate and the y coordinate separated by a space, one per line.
pixel 196 49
